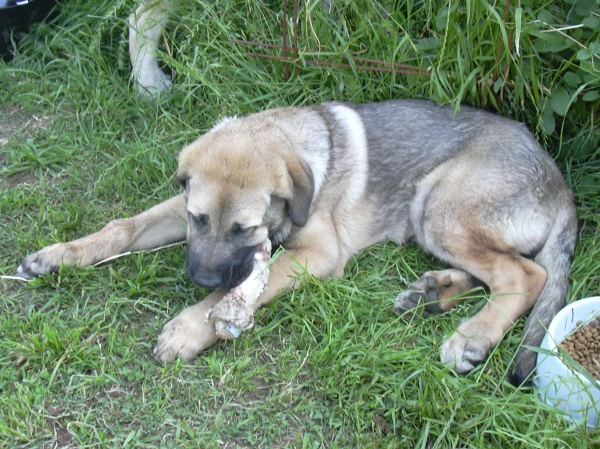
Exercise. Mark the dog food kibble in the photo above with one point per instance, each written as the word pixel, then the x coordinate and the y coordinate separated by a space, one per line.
pixel 584 346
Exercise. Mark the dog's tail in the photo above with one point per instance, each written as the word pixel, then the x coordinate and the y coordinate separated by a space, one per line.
pixel 555 258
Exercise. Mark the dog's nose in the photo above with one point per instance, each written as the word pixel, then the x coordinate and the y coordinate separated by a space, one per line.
pixel 205 279
pixel 211 283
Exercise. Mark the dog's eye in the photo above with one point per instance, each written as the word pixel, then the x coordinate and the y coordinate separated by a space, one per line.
pixel 183 181
pixel 200 219
pixel 239 229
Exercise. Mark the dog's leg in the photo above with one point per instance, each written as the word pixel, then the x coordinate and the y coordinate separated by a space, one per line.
pixel 146 25
pixel 159 225
pixel 515 284
pixel 315 250
pixel 434 292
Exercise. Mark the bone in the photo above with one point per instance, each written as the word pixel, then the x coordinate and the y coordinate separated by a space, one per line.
pixel 235 312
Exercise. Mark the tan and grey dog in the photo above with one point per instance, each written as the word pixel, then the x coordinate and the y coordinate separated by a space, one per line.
pixel 329 180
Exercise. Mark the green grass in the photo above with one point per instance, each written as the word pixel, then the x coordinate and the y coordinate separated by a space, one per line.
pixel 329 365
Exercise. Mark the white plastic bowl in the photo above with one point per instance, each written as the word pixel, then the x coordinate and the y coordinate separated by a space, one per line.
pixel 559 385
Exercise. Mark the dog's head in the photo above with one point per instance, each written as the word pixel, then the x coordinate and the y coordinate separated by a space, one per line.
pixel 243 184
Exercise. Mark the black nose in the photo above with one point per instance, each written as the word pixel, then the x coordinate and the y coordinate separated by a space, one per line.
pixel 204 279
pixel 223 276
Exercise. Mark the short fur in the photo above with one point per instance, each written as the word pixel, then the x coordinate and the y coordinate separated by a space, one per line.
pixel 326 181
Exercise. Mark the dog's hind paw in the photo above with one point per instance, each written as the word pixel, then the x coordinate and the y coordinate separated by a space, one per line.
pixel 462 353
pixel 419 300
pixel 410 305
pixel 432 293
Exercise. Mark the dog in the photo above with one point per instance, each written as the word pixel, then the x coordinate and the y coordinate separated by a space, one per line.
pixel 146 24
pixel 145 28
pixel 326 181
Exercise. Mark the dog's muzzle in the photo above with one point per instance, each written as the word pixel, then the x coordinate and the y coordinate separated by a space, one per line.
pixel 225 276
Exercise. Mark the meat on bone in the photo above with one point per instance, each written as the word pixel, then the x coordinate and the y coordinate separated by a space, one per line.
pixel 235 312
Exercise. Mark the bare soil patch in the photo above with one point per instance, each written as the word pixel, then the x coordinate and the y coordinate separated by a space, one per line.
pixel 15 123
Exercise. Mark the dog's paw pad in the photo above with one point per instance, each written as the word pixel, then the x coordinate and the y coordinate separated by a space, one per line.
pixel 410 305
pixel 420 299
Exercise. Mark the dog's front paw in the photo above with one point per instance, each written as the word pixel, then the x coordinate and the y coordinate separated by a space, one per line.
pixel 185 336
pixel 462 352
pixel 47 260
pixel 33 266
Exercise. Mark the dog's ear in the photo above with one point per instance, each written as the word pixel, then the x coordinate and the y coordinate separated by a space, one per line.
pixel 303 189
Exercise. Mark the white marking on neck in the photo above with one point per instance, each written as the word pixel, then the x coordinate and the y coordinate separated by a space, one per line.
pixel 357 156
